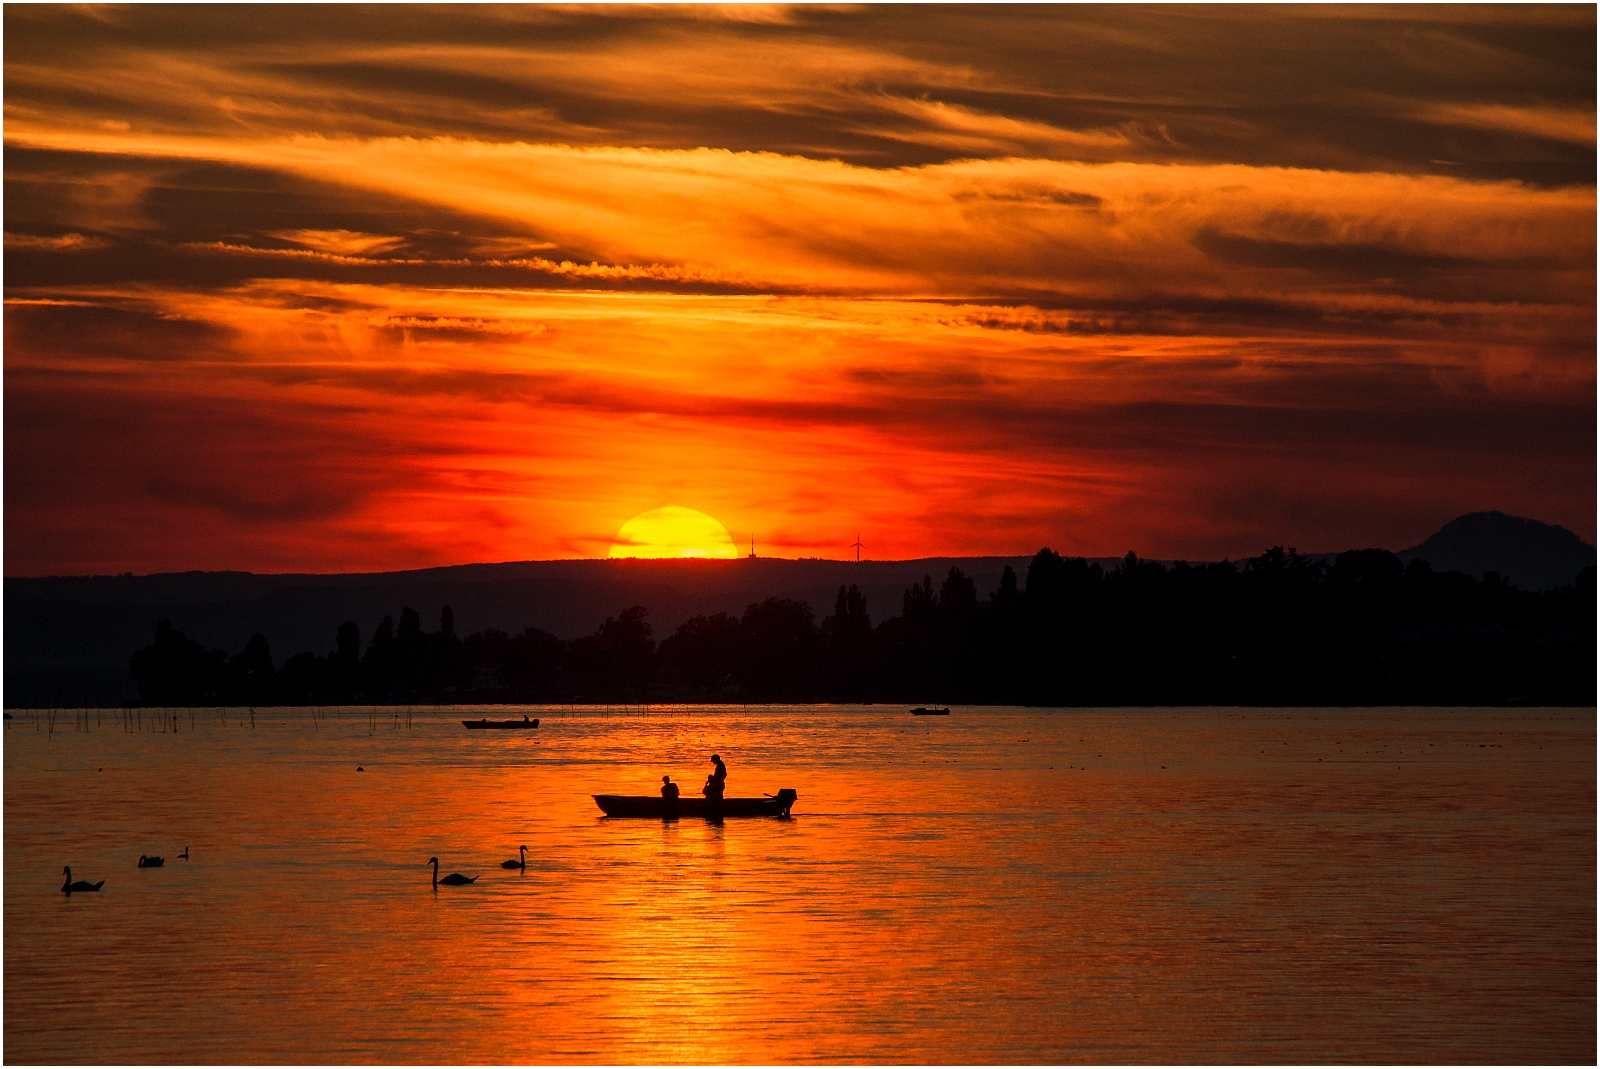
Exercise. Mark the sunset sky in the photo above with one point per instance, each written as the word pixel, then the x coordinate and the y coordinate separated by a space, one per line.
pixel 366 288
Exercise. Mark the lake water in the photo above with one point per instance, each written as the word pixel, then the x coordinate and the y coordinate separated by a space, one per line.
pixel 996 886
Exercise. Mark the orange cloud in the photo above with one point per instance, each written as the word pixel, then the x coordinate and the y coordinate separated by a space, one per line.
pixel 341 242
pixel 978 226
pixel 548 418
pixel 63 243
pixel 388 289
pixel 1574 125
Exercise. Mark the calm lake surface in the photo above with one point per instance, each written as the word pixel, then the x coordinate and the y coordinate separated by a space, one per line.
pixel 996 886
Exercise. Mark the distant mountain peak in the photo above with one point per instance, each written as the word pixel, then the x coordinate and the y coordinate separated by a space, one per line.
pixel 1526 553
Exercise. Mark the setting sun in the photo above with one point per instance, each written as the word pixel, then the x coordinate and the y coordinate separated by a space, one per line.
pixel 673 532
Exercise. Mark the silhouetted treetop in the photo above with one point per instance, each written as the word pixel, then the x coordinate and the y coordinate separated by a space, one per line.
pixel 1277 629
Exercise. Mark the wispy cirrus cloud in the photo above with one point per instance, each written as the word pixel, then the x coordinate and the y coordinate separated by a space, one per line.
pixel 58 243
pixel 340 242
pixel 757 403
pixel 1574 126
pixel 962 227
pixel 388 287
pixel 1289 86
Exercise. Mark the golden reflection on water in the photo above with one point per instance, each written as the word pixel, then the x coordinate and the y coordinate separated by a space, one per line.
pixel 1005 886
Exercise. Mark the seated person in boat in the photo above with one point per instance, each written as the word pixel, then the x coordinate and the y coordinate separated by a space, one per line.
pixel 669 790
pixel 718 778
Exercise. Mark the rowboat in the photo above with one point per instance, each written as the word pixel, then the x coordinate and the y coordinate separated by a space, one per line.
pixel 920 711
pixel 499 725
pixel 653 805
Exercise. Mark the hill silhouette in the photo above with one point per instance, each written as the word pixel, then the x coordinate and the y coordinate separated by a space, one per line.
pixel 69 638
pixel 1277 629
pixel 1525 553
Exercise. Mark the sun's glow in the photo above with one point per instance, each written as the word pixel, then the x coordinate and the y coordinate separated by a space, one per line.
pixel 673 532
pixel 960 314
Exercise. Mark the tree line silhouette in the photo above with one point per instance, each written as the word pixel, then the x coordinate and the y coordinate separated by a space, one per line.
pixel 1278 629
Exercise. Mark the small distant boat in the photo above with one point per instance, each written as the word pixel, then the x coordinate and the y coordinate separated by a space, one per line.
pixel 499 725
pixel 653 805
pixel 920 711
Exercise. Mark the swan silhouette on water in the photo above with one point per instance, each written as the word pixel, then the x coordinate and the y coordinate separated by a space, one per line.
pixel 185 854
pixel 455 879
pixel 68 886
pixel 151 862
pixel 517 864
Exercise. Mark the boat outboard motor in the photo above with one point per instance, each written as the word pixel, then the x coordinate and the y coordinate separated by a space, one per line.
pixel 786 798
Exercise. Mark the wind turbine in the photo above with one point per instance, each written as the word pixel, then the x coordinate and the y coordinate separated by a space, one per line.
pixel 856 545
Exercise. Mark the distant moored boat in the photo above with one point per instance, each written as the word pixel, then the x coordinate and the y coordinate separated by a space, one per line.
pixel 500 725
pixel 920 711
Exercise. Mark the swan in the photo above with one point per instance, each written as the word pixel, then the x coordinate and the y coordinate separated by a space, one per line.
pixel 67 887
pixel 455 879
pixel 185 854
pixel 151 862
pixel 522 864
